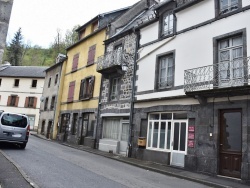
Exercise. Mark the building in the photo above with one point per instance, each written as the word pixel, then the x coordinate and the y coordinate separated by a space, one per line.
pixel 5 7
pixel 21 89
pixel 50 98
pixel 117 69
pixel 192 87
pixel 81 85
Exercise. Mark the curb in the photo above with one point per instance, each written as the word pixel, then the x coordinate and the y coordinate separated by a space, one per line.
pixel 25 176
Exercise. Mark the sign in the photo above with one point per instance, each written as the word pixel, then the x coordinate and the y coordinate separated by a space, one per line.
pixel 190 143
pixel 191 129
pixel 191 136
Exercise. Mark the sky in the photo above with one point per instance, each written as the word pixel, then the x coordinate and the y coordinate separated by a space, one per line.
pixel 40 19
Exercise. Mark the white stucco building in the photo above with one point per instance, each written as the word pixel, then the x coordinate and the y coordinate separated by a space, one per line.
pixel 192 86
pixel 21 88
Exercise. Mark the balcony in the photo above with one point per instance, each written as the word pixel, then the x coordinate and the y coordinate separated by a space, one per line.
pixel 227 77
pixel 110 63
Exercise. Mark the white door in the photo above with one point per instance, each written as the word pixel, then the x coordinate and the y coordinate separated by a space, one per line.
pixel 124 136
pixel 178 143
pixel 32 122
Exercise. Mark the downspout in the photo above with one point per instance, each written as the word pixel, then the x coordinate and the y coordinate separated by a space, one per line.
pixel 132 96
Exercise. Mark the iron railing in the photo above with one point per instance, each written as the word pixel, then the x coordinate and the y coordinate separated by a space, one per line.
pixel 182 2
pixel 220 75
pixel 110 59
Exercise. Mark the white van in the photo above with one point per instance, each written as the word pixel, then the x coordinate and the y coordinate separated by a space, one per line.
pixel 14 128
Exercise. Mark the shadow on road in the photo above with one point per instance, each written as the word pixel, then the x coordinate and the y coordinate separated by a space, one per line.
pixel 9 146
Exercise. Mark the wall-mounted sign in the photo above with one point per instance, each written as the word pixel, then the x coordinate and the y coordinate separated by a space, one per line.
pixel 191 136
pixel 191 129
pixel 190 143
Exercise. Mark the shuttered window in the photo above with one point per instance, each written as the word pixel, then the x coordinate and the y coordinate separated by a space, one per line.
pixel 75 62
pixel 91 55
pixel 30 102
pixel 13 100
pixel 87 88
pixel 71 91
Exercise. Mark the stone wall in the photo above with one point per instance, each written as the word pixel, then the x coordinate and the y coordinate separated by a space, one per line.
pixel 5 12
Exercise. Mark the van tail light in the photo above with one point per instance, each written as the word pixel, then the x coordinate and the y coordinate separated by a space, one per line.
pixel 28 131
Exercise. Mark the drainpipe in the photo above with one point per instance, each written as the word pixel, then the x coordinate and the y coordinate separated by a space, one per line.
pixel 132 96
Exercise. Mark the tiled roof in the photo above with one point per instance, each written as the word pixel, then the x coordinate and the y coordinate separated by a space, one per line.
pixel 23 71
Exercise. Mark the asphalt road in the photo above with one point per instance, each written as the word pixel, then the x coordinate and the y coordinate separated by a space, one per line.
pixel 51 165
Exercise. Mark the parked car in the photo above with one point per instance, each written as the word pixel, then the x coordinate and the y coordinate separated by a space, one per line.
pixel 14 128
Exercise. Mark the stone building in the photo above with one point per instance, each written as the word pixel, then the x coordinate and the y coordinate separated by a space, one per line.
pixel 192 87
pixel 117 69
pixel 5 12
pixel 50 98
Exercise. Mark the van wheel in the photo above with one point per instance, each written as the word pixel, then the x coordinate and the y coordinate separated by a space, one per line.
pixel 22 146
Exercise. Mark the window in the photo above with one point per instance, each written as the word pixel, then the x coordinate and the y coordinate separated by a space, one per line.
pixel 114 92
pixel 94 26
pixel 228 6
pixel 167 26
pixel 165 72
pixel 82 34
pixel 91 55
pixel 0 81
pixel 13 100
pixel 231 66
pixel 49 82
pixel 111 128
pixel 16 83
pixel 30 102
pixel 34 83
pixel 52 105
pixel 56 79
pixel 74 124
pixel 167 131
pixel 87 88
pixel 75 62
pixel 71 91
pixel 46 103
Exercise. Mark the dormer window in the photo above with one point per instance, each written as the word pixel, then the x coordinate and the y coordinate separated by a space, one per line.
pixel 94 26
pixel 81 34
pixel 227 6
pixel 167 27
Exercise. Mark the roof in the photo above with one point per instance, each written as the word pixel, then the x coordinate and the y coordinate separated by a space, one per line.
pixel 23 72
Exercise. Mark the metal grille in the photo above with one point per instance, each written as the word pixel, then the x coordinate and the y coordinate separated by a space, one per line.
pixel 110 59
pixel 226 74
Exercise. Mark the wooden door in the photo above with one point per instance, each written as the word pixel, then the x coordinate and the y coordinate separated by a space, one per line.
pixel 230 143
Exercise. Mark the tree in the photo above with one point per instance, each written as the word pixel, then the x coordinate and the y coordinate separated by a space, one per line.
pixel 15 49
pixel 71 36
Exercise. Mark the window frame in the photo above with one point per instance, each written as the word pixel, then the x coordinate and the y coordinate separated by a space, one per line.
pixel 111 82
pixel 161 20
pixel 34 84
pixel 0 82
pixel 157 70
pixel 218 9
pixel 56 78
pixel 49 82
pixel 46 103
pixel 13 100
pixel 75 62
pixel 91 55
pixel 52 103
pixel 83 94
pixel 16 82
pixel 71 91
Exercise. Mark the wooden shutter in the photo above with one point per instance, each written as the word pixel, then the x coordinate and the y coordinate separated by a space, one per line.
pixel 81 94
pixel 71 91
pixel 9 99
pixel 16 102
pixel 91 55
pixel 91 87
pixel 34 103
pixel 26 102
pixel 75 62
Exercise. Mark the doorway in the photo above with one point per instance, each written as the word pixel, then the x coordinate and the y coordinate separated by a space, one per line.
pixel 230 143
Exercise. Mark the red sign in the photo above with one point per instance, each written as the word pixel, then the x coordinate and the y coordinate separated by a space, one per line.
pixel 190 143
pixel 191 129
pixel 191 136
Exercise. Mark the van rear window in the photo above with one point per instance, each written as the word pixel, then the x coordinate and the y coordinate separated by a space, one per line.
pixel 14 120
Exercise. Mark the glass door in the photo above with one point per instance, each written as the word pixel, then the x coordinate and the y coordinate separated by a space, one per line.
pixel 124 136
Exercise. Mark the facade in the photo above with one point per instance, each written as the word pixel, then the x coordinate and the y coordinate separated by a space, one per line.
pixel 192 87
pixel 81 85
pixel 21 90
pixel 5 9
pixel 50 100
pixel 117 69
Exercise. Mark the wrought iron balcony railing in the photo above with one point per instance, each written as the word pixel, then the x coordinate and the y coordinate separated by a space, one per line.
pixel 110 60
pixel 182 2
pixel 221 75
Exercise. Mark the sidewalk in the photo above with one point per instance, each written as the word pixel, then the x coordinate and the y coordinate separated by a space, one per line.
pixel 220 182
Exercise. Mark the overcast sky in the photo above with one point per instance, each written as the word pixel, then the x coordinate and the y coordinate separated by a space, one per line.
pixel 40 19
